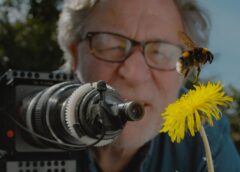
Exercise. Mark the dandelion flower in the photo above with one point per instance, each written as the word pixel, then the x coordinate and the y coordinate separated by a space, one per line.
pixel 193 109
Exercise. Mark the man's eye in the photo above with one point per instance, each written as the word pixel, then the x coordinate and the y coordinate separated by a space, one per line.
pixel 153 51
pixel 119 47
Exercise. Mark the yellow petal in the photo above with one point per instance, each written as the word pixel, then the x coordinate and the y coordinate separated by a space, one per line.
pixel 191 109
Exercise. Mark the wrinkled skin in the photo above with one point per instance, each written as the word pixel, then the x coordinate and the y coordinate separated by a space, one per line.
pixel 141 20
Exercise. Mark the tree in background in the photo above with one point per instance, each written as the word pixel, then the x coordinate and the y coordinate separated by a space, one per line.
pixel 28 35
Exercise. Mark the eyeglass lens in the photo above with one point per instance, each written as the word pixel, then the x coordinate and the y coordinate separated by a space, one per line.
pixel 116 48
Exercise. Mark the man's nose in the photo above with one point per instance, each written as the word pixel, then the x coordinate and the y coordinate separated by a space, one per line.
pixel 134 68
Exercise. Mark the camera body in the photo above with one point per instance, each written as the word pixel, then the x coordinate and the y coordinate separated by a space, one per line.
pixel 47 118
pixel 16 153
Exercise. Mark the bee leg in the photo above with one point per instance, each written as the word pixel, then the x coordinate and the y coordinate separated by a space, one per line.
pixel 197 76
pixel 186 73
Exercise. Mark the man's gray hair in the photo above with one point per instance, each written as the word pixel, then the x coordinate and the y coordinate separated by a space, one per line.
pixel 74 12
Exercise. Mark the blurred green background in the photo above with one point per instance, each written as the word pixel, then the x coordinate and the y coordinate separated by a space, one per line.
pixel 28 42
pixel 28 35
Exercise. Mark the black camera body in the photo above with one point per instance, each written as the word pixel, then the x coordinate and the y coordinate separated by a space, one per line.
pixel 16 153
pixel 47 118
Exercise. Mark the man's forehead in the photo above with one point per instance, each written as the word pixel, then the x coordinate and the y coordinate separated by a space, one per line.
pixel 137 19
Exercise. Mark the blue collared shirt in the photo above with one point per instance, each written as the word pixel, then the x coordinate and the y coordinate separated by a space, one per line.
pixel 161 155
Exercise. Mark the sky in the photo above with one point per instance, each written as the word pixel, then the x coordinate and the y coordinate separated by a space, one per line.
pixel 224 41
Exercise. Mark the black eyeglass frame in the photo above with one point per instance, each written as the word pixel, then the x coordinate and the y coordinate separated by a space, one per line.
pixel 133 43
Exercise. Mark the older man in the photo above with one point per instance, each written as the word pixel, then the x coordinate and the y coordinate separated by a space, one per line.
pixel 133 45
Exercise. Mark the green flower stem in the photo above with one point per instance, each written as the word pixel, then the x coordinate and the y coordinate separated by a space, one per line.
pixel 207 149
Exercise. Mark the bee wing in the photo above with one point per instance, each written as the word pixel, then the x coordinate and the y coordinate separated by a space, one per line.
pixel 186 40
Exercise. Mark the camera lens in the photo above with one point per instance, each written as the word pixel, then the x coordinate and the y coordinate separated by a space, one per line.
pixel 135 111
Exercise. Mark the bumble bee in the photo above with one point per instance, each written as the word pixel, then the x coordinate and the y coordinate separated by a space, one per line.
pixel 195 57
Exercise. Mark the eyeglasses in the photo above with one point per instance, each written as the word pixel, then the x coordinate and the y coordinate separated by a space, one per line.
pixel 115 48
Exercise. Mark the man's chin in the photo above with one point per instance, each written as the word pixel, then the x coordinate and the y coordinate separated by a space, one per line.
pixel 136 133
pixel 130 140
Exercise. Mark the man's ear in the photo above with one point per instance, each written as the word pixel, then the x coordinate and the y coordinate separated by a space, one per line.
pixel 74 54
